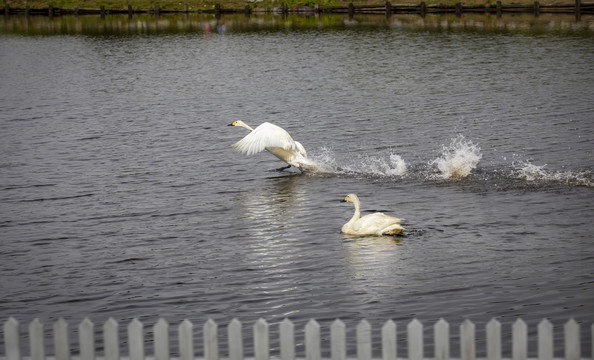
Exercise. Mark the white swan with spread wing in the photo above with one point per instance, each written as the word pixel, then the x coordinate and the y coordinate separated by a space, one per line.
pixel 372 224
pixel 275 140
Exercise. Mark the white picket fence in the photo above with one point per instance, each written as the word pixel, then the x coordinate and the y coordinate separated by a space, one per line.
pixel 286 348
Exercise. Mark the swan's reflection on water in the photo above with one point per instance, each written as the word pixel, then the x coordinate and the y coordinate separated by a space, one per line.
pixel 373 262
pixel 278 263
pixel 267 216
pixel 273 208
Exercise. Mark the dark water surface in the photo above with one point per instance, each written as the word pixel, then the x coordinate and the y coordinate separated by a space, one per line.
pixel 120 195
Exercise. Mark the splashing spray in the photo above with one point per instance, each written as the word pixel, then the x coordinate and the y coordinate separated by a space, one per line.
pixel 458 159
pixel 324 161
pixel 530 172
pixel 398 167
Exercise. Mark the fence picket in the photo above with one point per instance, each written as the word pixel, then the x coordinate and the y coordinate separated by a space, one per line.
pixel 493 330
pixel 571 331
pixel 36 340
pixel 61 340
pixel 415 340
pixel 12 339
pixel 86 339
pixel 185 332
pixel 234 332
pixel 287 340
pixel 389 341
pixel 441 334
pixel 313 351
pixel 136 340
pixel 211 340
pixel 545 340
pixel 111 342
pixel 161 340
pixel 467 341
pixel 519 340
pixel 338 340
pixel 261 340
pixel 364 340
pixel 312 341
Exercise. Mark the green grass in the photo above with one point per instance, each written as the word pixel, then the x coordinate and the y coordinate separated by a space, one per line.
pixel 209 4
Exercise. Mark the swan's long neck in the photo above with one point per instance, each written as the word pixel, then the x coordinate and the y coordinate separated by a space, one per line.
pixel 357 213
pixel 244 125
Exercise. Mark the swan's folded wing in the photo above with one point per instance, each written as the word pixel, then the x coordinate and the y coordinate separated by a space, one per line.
pixel 265 135
pixel 375 221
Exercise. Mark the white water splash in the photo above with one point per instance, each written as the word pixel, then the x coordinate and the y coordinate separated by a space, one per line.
pixel 530 172
pixel 458 159
pixel 325 161
pixel 378 166
pixel 398 165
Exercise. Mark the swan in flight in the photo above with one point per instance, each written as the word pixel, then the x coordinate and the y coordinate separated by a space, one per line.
pixel 275 140
pixel 372 224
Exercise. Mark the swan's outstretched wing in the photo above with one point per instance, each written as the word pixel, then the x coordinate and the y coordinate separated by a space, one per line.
pixel 265 135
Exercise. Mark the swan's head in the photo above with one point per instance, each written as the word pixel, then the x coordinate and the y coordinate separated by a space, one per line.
pixel 352 198
pixel 241 124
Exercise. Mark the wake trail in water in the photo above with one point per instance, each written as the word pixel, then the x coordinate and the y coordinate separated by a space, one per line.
pixel 377 166
pixel 457 161
pixel 535 173
pixel 325 162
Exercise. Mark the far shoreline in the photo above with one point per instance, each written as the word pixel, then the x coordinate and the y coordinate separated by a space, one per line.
pixel 69 7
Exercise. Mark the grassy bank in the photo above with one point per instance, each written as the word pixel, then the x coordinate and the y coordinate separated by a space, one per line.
pixel 209 4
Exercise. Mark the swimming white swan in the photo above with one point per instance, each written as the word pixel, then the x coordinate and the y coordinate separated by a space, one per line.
pixel 275 140
pixel 372 224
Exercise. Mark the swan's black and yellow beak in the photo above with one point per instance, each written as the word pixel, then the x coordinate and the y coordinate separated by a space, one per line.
pixel 233 123
pixel 345 199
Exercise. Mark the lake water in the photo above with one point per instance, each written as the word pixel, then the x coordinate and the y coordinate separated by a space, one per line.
pixel 121 196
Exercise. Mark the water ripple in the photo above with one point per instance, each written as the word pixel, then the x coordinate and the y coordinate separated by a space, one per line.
pixel 120 194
